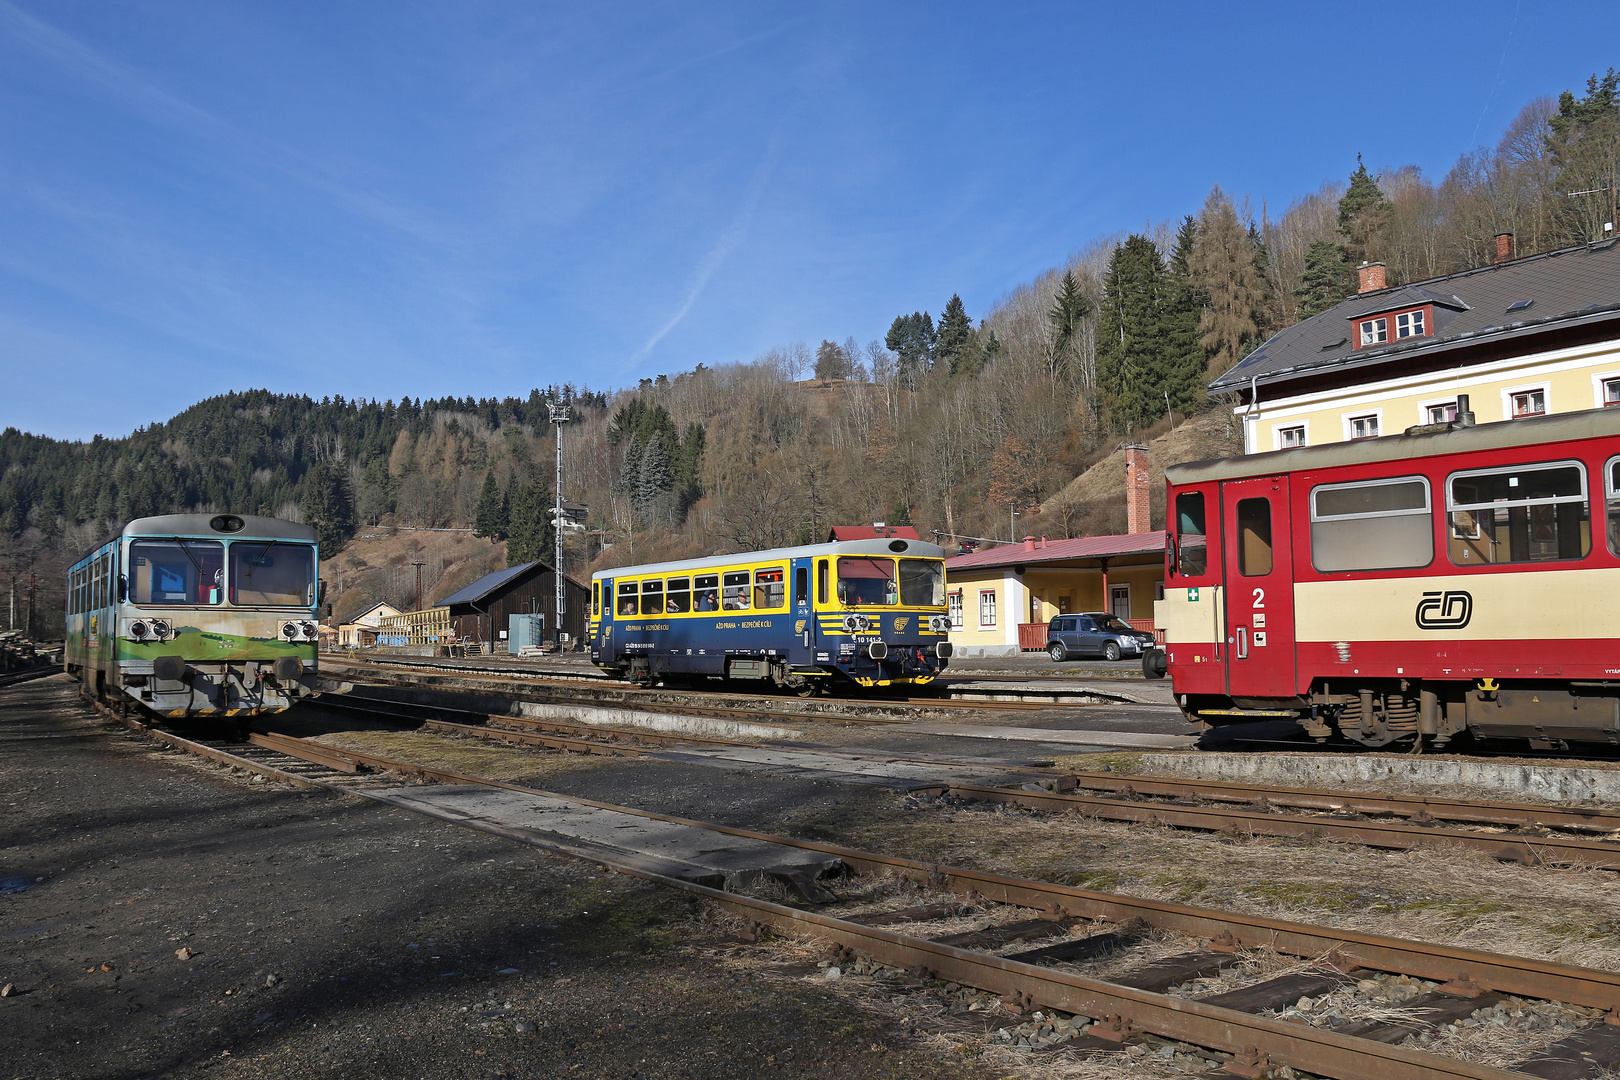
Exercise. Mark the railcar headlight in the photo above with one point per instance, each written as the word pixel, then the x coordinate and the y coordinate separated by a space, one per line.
pixel 161 629
pixel 289 630
pixel 311 631
pixel 138 630
pixel 939 622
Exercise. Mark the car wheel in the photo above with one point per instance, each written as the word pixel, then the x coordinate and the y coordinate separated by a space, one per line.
pixel 1057 652
pixel 1110 650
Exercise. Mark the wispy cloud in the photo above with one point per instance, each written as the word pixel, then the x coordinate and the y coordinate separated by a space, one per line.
pixel 730 239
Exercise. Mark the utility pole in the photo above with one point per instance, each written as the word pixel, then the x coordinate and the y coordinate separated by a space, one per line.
pixel 559 417
pixel 418 566
pixel 32 635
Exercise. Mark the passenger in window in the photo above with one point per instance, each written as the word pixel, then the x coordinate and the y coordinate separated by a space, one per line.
pixel 708 600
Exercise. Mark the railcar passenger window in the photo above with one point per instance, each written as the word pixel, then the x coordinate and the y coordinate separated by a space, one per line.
pixel 627 598
pixel 821 582
pixel 1254 537
pixel 770 589
pixel 801 585
pixel 708 592
pixel 1533 513
pixel 922 582
pixel 679 596
pixel 735 594
pixel 177 571
pixel 652 597
pixel 1192 555
pixel 1611 499
pixel 1373 525
pixel 867 580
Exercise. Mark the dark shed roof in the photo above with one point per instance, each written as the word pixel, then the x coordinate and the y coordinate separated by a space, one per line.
pixel 471 594
pixel 1566 288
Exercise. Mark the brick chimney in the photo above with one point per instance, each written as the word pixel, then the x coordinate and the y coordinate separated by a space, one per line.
pixel 1138 508
pixel 1372 277
pixel 1504 247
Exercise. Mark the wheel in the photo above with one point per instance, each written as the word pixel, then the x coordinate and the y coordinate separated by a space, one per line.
pixel 1057 651
pixel 1110 650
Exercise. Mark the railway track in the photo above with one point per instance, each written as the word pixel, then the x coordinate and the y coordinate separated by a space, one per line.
pixel 1150 1001
pixel 1529 832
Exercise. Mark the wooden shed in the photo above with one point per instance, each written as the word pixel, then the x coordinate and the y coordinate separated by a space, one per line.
pixel 480 611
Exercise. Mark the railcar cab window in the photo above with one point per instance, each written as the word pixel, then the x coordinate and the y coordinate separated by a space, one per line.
pixel 708 592
pixel 652 597
pixel 1192 554
pixel 821 581
pixel 627 598
pixel 770 589
pixel 866 581
pixel 922 582
pixel 1254 537
pixel 596 599
pixel 735 596
pixel 1529 513
pixel 177 571
pixel 1372 525
pixel 678 597
pixel 272 574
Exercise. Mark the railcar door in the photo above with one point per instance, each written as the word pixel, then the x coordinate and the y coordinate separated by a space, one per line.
pixel 802 649
pixel 1259 593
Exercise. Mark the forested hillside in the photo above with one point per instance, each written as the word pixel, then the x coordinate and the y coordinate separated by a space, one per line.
pixel 954 425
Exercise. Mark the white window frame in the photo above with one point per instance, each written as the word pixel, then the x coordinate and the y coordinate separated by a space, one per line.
pixel 1368 331
pixel 985 608
pixel 1419 317
pixel 1452 506
pixel 1303 427
pixel 954 600
pixel 1598 382
pixel 1376 415
pixel 1434 403
pixel 1529 388
pixel 1114 588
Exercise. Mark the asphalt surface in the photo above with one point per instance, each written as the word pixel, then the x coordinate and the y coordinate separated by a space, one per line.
pixel 160 917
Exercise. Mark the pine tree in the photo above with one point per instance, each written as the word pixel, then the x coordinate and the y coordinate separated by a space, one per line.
pixel 1363 216
pixel 529 533
pixel 912 339
pixel 1223 259
pixel 1069 307
pixel 630 466
pixel 900 513
pixel 327 506
pixel 1183 357
pixel 1327 279
pixel 689 467
pixel 488 520
pixel 832 362
pixel 954 345
pixel 1130 358
pixel 1585 146
pixel 655 478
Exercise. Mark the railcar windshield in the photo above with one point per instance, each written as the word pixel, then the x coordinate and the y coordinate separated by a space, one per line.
pixel 177 571
pixel 922 582
pixel 271 573
pixel 866 580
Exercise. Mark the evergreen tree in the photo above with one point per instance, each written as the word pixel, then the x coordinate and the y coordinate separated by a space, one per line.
pixel 489 518
pixel 832 362
pixel 1130 357
pixel 529 533
pixel 912 339
pixel 1363 216
pixel 900 514
pixel 1069 307
pixel 1327 279
pixel 689 467
pixel 1585 144
pixel 1183 357
pixel 327 507
pixel 655 478
pixel 954 340
pixel 1223 259
pixel 1267 313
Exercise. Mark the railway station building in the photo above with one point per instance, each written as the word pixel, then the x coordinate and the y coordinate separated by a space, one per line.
pixel 1522 337
pixel 481 612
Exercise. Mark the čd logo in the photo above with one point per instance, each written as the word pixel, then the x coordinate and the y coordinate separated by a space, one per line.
pixel 1445 610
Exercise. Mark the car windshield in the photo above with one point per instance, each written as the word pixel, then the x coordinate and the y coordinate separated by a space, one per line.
pixel 1112 622
pixel 177 571
pixel 269 573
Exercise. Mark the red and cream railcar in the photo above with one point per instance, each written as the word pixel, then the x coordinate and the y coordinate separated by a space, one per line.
pixel 1456 578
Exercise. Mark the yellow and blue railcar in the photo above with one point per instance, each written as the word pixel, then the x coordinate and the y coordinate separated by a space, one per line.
pixel 870 613
pixel 196 615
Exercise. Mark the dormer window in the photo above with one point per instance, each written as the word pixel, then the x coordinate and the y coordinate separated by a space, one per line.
pixel 1375 330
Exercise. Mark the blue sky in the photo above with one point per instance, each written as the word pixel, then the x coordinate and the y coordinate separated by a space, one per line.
pixel 384 199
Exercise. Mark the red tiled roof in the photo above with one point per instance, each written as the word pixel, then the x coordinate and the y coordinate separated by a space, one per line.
pixel 867 532
pixel 1086 547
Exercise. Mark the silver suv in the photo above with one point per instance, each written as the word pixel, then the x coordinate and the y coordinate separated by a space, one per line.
pixel 1094 633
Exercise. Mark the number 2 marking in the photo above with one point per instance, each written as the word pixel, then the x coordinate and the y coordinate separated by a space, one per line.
pixel 1259 598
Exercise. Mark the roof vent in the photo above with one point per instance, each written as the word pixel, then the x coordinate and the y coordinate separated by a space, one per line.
pixel 1519 305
